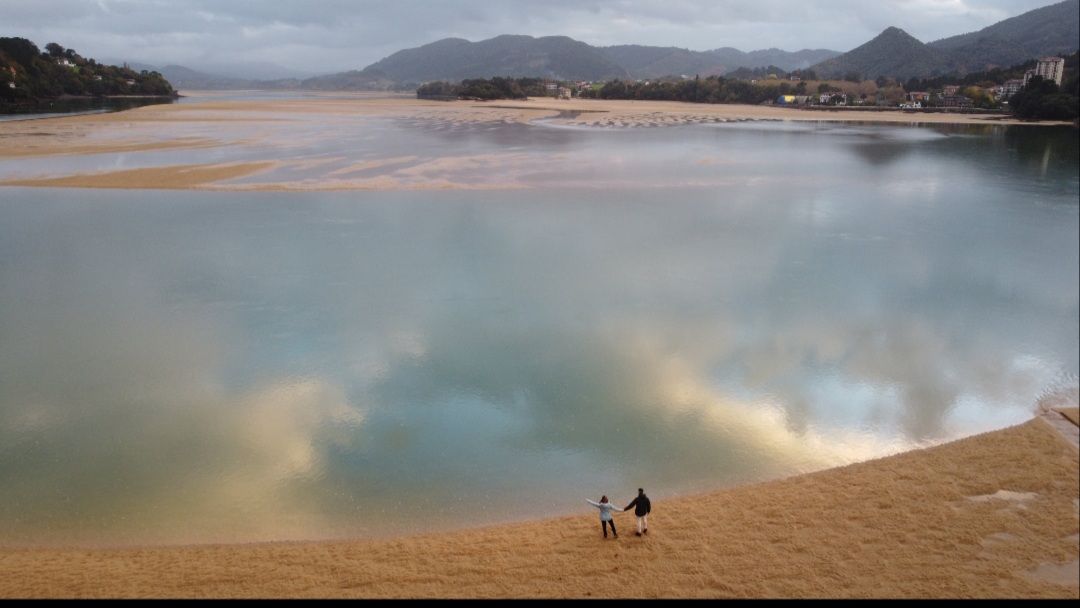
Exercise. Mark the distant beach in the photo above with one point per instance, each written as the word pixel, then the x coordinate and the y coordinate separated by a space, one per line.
pixel 993 515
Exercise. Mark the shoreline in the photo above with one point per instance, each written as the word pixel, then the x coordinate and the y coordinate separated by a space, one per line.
pixel 991 515
pixel 261 134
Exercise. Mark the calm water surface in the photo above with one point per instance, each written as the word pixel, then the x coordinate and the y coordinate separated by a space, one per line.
pixel 195 366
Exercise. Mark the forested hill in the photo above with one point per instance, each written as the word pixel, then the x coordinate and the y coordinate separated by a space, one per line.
pixel 29 74
pixel 893 53
pixel 457 59
pixel 656 62
pixel 1050 30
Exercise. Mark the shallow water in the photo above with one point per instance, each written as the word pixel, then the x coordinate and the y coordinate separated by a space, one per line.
pixel 679 309
pixel 74 107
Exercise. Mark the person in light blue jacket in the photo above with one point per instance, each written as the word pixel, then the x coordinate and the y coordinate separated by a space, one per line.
pixel 605 514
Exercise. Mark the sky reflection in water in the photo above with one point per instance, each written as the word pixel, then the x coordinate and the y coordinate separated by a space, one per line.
pixel 183 367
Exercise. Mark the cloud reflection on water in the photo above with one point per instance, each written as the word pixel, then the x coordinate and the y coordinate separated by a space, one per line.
pixel 234 366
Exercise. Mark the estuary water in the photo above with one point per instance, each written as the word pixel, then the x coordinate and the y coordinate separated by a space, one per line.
pixel 679 309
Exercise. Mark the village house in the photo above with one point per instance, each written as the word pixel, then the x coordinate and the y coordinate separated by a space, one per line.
pixel 64 61
pixel 1011 87
pixel 130 82
pixel 918 96
pixel 831 99
pixel 950 89
pixel 956 101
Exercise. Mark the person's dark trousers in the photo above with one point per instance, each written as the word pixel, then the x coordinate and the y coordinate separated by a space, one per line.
pixel 604 525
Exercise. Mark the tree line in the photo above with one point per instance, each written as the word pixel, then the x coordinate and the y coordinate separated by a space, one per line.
pixel 481 88
pixel 56 71
pixel 1039 100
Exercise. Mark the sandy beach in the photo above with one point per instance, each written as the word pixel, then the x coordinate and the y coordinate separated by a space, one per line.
pixel 993 515
pixel 267 128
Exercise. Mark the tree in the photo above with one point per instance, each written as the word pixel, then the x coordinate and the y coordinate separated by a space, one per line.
pixel 21 50
pixel 1041 99
pixel 54 50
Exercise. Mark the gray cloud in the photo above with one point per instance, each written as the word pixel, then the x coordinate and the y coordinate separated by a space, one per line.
pixel 332 35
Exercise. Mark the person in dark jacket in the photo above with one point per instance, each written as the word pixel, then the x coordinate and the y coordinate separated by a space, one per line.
pixel 642 506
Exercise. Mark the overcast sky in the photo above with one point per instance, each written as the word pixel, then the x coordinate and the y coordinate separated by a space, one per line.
pixel 318 36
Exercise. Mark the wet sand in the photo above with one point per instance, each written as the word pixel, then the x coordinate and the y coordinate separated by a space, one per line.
pixel 1073 414
pixel 994 515
pixel 228 123
pixel 175 177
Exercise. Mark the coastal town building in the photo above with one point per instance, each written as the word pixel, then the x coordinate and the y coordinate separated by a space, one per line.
pixel 956 101
pixel 1011 87
pixel 920 96
pixel 833 99
pixel 1050 68
pixel 950 90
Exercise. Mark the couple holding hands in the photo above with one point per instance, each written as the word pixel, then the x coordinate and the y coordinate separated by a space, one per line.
pixel 641 505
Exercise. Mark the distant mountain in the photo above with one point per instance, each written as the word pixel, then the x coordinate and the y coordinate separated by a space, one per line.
pixel 186 78
pixel 457 59
pixel 1050 30
pixel 788 61
pixel 893 53
pixel 251 70
pixel 654 62
pixel 368 79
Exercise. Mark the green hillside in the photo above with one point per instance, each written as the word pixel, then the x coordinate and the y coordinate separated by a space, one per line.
pixel 516 56
pixel 56 72
pixel 893 53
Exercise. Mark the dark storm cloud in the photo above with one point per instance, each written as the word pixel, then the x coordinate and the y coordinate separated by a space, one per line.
pixel 331 35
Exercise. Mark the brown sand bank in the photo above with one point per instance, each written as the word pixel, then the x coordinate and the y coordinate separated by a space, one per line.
pixel 277 131
pixel 55 135
pixel 1072 413
pixel 622 113
pixel 994 515
pixel 173 177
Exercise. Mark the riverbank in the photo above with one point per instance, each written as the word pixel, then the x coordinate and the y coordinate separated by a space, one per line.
pixel 993 515
pixel 314 143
